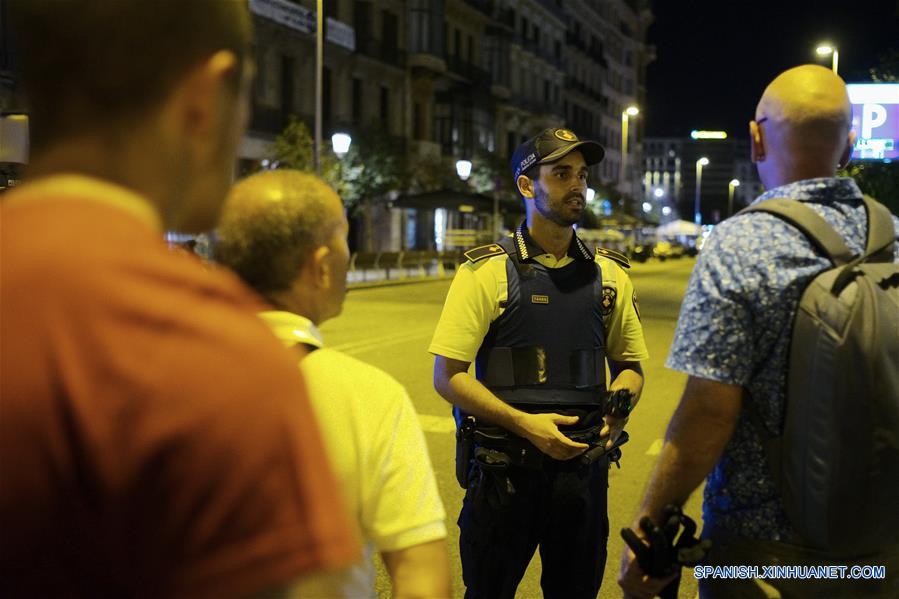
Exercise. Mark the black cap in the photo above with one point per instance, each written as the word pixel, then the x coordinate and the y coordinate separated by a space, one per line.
pixel 551 145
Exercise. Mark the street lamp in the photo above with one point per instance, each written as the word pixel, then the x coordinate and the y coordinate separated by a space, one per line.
pixel 825 49
pixel 625 114
pixel 697 215
pixel 463 169
pixel 319 61
pixel 340 142
pixel 734 183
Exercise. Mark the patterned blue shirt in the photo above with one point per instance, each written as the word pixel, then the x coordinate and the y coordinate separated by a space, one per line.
pixel 735 325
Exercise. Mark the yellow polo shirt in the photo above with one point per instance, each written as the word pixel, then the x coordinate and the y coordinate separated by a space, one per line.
pixel 377 449
pixel 480 289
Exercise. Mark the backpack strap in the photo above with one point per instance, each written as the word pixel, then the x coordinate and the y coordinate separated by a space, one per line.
pixel 815 228
pixel 881 234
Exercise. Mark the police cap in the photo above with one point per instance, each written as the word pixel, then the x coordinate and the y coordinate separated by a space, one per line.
pixel 551 145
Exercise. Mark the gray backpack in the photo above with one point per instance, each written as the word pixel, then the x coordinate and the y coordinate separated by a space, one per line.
pixel 837 462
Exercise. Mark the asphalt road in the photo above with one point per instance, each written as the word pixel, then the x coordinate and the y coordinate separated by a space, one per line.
pixel 390 327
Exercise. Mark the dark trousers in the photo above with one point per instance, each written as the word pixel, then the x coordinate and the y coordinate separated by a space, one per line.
pixel 562 509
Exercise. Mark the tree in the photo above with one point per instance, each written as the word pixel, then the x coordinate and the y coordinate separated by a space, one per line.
pixel 374 166
pixel 294 148
pixel 877 179
pixel 431 173
pixel 491 174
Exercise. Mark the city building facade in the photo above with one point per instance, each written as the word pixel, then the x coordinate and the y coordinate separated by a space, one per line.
pixel 442 81
pixel 670 170
pixel 453 80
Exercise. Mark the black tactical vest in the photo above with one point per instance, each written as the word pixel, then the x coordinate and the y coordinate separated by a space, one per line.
pixel 548 347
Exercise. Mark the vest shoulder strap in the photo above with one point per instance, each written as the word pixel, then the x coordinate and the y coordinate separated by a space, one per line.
pixel 880 230
pixel 817 230
pixel 613 255
pixel 485 251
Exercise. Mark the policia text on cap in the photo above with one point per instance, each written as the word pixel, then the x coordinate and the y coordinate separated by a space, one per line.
pixel 540 315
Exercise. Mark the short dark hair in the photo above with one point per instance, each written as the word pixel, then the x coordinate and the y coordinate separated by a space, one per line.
pixel 94 65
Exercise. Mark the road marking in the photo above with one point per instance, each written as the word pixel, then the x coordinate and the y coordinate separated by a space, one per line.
pixel 437 424
pixel 358 347
pixel 655 448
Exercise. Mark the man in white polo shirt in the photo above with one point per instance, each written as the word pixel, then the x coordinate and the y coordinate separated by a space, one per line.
pixel 284 233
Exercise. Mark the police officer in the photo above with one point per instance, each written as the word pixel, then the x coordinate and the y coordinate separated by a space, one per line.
pixel 540 314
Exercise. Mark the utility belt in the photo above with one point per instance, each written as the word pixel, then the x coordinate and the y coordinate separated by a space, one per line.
pixel 495 450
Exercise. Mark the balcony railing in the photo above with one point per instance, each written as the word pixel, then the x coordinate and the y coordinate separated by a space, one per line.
pixel 464 68
pixel 507 17
pixel 555 7
pixel 484 6
pixel 573 84
pixel 537 106
pixel 387 53
pixel 268 120
pixel 574 40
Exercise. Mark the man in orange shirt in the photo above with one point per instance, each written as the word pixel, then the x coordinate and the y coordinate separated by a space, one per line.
pixel 155 439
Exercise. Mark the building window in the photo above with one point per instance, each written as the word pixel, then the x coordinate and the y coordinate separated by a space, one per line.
pixel 362 21
pixel 419 125
pixel 390 36
pixel 327 111
pixel 385 107
pixel 287 72
pixel 332 9
pixel 261 73
pixel 357 100
pixel 420 30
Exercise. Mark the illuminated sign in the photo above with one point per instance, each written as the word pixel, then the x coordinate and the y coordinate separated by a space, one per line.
pixel 708 134
pixel 875 120
pixel 302 19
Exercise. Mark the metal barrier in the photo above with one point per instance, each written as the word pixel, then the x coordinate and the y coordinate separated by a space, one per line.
pixel 400 265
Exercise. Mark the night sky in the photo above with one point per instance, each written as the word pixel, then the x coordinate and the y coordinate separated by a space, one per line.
pixel 714 58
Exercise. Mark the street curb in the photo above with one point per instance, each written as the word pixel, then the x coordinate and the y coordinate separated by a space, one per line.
pixel 395 282
pixel 635 267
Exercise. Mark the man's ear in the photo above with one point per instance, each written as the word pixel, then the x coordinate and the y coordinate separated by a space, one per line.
pixel 525 186
pixel 847 151
pixel 756 142
pixel 321 269
pixel 200 95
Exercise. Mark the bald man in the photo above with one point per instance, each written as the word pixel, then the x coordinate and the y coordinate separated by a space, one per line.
pixel 284 233
pixel 732 340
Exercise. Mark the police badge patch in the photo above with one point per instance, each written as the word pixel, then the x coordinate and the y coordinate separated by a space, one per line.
pixel 608 300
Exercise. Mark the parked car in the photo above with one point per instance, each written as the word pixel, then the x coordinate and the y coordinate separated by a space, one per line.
pixel 665 250
pixel 641 253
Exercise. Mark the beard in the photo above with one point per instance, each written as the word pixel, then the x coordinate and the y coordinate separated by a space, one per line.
pixel 561 212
